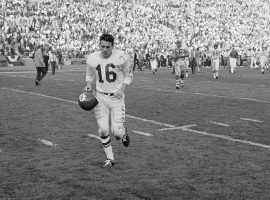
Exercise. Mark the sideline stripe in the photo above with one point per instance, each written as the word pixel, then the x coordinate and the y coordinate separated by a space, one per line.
pixel 47 142
pixel 94 136
pixel 74 102
pixel 178 127
pixel 154 122
pixel 252 120
pixel 203 94
pixel 38 94
pixel 227 138
pixel 151 121
pixel 142 133
pixel 165 90
pixel 219 123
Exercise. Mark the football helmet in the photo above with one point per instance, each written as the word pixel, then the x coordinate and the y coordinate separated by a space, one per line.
pixel 87 101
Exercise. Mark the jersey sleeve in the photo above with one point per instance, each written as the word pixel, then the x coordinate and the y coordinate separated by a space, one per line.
pixel 127 70
pixel 90 70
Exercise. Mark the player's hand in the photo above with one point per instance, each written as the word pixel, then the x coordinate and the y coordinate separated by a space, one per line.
pixel 87 88
pixel 119 93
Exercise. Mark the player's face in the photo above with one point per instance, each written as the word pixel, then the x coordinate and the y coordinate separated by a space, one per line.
pixel 106 48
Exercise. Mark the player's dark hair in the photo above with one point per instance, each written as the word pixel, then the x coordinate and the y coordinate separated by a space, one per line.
pixel 107 37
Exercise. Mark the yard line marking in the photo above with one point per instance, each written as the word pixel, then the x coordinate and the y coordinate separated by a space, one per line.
pixel 59 84
pixel 203 94
pixel 219 123
pixel 158 123
pixel 22 72
pixel 47 142
pixel 38 94
pixel 177 127
pixel 94 136
pixel 75 102
pixel 227 138
pixel 252 120
pixel 250 99
pixel 142 133
pixel 151 121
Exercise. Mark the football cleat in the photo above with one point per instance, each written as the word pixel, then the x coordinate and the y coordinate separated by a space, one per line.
pixel 37 83
pixel 108 163
pixel 87 101
pixel 126 140
pixel 177 87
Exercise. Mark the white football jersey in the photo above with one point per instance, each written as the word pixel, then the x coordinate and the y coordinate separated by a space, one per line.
pixel 109 73
pixel 215 54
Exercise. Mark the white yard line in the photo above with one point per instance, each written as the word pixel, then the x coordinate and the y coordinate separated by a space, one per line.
pixel 151 121
pixel 252 120
pixel 94 136
pixel 47 142
pixel 166 90
pixel 177 127
pixel 142 133
pixel 203 94
pixel 155 122
pixel 227 138
pixel 220 124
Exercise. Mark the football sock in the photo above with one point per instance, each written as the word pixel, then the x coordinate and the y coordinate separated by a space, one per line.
pixel 106 142
pixel 177 83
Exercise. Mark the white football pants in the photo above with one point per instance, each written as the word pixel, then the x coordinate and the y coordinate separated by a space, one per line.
pixel 110 115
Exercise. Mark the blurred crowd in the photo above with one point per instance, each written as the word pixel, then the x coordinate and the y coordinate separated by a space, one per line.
pixel 73 27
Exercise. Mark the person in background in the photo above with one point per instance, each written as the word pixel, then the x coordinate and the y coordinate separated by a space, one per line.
pixel 46 59
pixel 40 65
pixel 52 60
pixel 233 58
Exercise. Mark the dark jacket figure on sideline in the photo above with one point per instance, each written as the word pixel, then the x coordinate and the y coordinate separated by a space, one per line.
pixel 40 65
pixel 194 56
pixel 46 59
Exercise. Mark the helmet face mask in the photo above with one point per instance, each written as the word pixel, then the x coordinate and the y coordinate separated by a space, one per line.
pixel 87 101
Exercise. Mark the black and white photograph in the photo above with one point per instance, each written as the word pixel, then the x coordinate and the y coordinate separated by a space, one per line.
pixel 134 100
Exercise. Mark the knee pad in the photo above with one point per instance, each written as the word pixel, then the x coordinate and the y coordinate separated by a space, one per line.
pixel 182 75
pixel 118 131
pixel 103 131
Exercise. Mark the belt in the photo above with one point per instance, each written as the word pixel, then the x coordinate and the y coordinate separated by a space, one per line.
pixel 108 94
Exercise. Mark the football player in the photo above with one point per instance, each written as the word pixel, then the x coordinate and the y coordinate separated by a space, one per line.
pixel 180 66
pixel 263 57
pixel 215 61
pixel 153 63
pixel 112 71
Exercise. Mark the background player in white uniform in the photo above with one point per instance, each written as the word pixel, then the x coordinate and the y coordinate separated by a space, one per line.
pixel 113 73
pixel 153 63
pixel 263 58
pixel 215 61
pixel 180 66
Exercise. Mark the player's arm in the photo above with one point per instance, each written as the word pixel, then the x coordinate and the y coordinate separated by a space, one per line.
pixel 128 77
pixel 89 77
pixel 127 72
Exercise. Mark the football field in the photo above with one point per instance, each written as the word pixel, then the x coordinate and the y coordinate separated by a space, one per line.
pixel 208 140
